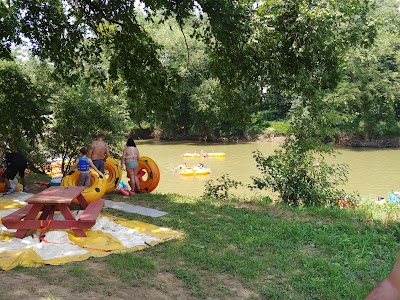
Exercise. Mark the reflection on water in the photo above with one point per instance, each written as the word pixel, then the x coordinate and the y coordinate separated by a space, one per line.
pixel 373 172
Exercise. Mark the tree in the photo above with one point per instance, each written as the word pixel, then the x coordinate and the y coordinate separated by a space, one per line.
pixel 78 114
pixel 285 44
pixel 368 97
pixel 24 110
pixel 306 42
pixel 203 106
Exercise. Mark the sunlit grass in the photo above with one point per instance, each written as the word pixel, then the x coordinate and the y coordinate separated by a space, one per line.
pixel 276 251
pixel 280 127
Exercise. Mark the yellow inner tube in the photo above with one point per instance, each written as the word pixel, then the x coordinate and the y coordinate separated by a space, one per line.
pixel 151 178
pixel 92 193
pixel 216 154
pixel 114 174
pixel 186 172
pixel 199 171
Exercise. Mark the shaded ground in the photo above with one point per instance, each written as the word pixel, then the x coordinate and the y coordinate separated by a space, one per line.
pixel 96 278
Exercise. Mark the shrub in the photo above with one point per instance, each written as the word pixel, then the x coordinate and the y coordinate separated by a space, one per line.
pixel 221 188
pixel 299 177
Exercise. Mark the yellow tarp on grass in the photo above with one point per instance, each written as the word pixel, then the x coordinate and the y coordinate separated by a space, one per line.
pixel 109 235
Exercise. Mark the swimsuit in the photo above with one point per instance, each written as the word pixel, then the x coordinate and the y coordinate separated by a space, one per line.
pixel 133 164
pixel 84 180
pixel 99 164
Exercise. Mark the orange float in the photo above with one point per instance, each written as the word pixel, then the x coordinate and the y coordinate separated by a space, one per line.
pixel 151 177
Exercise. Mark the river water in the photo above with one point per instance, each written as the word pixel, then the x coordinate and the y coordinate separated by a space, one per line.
pixel 372 172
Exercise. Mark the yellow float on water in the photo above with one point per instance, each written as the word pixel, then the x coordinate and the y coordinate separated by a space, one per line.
pixel 190 171
pixel 92 193
pixel 186 172
pixel 203 154
pixel 201 171
pixel 216 154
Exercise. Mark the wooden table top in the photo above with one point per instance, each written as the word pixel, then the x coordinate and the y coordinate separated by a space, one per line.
pixel 57 195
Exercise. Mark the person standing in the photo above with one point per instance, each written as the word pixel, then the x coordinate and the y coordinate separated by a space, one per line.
pixel 15 163
pixel 130 156
pixel 83 163
pixel 99 151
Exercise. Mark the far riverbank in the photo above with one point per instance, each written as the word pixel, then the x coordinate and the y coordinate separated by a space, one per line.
pixel 345 140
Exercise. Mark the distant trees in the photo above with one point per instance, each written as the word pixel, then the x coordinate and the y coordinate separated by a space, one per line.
pixel 368 97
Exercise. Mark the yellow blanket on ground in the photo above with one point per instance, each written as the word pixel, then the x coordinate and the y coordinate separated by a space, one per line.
pixel 109 235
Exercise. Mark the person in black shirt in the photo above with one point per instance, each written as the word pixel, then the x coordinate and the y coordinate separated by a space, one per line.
pixel 15 163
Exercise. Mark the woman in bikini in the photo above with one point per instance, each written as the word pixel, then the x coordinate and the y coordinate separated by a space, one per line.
pixel 130 157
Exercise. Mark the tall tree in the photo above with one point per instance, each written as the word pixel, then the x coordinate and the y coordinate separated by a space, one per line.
pixel 24 109
pixel 78 114
pixel 290 44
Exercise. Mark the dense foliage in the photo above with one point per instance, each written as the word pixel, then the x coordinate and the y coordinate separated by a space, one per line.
pixel 368 96
pixel 24 110
pixel 205 74
pixel 206 69
pixel 79 113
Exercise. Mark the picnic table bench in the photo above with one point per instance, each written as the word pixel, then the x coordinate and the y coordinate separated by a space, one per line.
pixel 39 213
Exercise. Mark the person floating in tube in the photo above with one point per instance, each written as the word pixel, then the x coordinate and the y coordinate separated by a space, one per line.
pixel 130 156
pixel 84 163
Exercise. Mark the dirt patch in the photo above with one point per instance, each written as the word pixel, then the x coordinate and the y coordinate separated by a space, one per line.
pixel 94 279
pixel 309 250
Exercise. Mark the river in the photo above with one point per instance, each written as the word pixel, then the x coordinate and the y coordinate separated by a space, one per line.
pixel 372 172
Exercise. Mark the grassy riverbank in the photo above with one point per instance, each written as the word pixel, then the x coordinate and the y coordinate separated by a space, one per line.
pixel 236 250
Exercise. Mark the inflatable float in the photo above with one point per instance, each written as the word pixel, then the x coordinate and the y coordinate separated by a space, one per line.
pixel 18 187
pixel 114 174
pixel 190 171
pixel 201 171
pixel 216 154
pixel 2 187
pixel 92 193
pixel 150 174
pixel 186 172
pixel 203 154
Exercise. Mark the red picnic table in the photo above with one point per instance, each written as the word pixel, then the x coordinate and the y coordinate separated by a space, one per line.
pixel 39 213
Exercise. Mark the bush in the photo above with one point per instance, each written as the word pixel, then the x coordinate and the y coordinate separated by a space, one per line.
pixel 221 189
pixel 299 177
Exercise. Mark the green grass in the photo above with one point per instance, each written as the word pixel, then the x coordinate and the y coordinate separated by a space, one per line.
pixel 275 251
pixel 271 250
pixel 280 127
pixel 130 267
pixel 33 178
